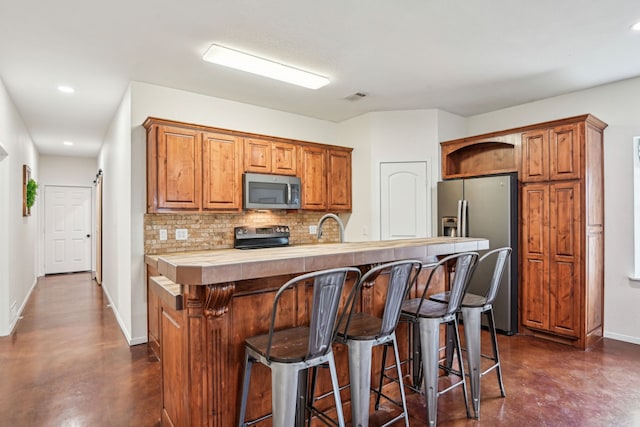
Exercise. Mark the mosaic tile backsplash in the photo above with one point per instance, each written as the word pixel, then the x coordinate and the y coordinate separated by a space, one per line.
pixel 215 231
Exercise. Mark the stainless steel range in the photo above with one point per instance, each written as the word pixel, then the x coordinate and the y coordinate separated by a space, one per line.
pixel 267 236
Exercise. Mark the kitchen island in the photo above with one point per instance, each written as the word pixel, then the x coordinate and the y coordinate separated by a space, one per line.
pixel 202 306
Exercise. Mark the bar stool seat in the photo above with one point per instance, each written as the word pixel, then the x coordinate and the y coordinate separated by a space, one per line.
pixel 472 308
pixel 290 352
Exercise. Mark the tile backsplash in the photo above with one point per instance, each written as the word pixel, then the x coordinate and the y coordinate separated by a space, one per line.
pixel 215 231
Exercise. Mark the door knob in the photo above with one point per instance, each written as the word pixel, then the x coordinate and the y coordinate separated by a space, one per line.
pixel 88 235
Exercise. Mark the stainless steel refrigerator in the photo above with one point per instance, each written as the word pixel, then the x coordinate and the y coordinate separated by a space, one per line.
pixel 486 207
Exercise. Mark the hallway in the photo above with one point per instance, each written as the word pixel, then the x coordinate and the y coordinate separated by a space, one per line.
pixel 67 364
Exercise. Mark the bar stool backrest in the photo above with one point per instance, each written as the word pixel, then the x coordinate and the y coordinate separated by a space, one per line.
pixel 402 275
pixel 501 254
pixel 465 265
pixel 327 290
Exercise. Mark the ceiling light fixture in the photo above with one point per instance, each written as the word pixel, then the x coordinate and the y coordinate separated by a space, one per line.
pixel 636 26
pixel 252 64
pixel 66 89
pixel 68 143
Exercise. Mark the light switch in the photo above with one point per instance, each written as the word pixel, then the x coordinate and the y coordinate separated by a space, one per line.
pixel 163 234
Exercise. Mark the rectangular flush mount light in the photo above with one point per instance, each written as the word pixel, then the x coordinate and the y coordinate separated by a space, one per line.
pixel 263 67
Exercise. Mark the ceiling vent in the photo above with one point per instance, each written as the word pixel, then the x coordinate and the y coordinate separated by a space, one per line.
pixel 356 96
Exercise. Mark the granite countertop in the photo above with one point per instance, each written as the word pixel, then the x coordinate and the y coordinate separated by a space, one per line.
pixel 226 265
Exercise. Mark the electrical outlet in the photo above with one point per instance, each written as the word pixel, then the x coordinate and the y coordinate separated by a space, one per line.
pixel 313 229
pixel 163 234
pixel 182 234
pixel 365 231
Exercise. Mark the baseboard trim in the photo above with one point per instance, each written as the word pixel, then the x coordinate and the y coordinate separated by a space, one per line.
pixel 621 337
pixel 14 322
pixel 123 328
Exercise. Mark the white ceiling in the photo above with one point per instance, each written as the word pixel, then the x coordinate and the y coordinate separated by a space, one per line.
pixel 465 57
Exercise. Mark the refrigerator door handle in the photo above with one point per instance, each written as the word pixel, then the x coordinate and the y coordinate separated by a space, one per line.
pixel 459 219
pixel 463 226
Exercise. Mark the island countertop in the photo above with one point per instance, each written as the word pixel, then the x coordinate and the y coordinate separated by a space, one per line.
pixel 227 265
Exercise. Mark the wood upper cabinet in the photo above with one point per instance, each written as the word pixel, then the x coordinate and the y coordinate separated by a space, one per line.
pixel 313 175
pixel 257 155
pixel 264 156
pixel 326 178
pixel 339 180
pixel 177 164
pixel 221 177
pixel 192 168
pixel 189 170
pixel 551 154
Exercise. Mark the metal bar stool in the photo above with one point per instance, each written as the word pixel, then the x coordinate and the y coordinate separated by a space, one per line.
pixel 472 308
pixel 429 315
pixel 362 331
pixel 289 352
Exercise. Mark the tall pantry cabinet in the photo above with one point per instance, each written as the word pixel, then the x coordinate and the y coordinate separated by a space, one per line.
pixel 562 225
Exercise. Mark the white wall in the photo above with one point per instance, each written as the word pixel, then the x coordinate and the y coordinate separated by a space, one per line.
pixel 392 136
pixel 66 171
pixel 115 161
pixel 618 105
pixel 19 244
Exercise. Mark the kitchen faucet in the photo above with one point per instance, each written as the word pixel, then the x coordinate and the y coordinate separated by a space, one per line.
pixel 338 220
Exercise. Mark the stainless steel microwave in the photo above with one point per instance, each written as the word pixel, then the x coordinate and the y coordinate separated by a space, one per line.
pixel 263 191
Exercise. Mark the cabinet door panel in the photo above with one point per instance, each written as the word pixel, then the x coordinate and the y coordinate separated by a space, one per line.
pixel 535 257
pixel 314 178
pixel 283 158
pixel 565 280
pixel 535 156
pixel 257 156
pixel 179 160
pixel 174 367
pixel 339 180
pixel 222 180
pixel 564 152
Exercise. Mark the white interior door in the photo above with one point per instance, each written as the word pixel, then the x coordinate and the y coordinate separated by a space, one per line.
pixel 67 229
pixel 404 197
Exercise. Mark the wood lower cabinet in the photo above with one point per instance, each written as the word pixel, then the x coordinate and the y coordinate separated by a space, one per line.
pixel 562 225
pixel 551 257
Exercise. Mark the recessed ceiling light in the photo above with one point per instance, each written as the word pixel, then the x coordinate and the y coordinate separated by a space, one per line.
pixel 66 89
pixel 68 143
pixel 252 64
pixel 636 26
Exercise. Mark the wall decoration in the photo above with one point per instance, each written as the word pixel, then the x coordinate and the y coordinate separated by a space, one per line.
pixel 29 190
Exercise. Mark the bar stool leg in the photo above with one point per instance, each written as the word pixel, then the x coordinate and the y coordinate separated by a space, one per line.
pixel 336 389
pixel 430 342
pixel 248 363
pixel 472 317
pixel 382 372
pixel 494 343
pixel 360 378
pixel 284 386
pixel 399 371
